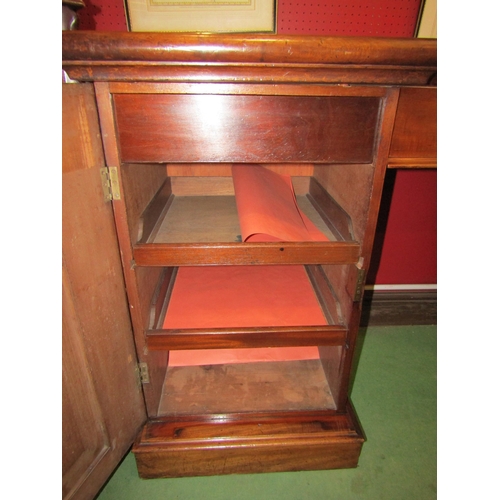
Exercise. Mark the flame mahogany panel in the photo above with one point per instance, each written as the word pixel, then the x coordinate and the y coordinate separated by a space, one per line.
pixel 244 128
pixel 415 127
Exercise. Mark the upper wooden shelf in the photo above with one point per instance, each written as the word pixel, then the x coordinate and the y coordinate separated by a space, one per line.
pixel 180 230
pixel 126 56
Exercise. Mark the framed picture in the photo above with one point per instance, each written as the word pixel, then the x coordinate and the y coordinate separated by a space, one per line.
pixel 211 16
pixel 427 27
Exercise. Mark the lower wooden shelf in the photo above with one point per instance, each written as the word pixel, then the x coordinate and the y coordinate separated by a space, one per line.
pixel 246 387
pixel 248 443
pixel 244 306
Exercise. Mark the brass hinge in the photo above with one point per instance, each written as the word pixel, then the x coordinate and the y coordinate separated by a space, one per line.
pixel 358 291
pixel 110 183
pixel 143 373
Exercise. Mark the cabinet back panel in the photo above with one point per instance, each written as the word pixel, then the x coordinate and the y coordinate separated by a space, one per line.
pixel 245 128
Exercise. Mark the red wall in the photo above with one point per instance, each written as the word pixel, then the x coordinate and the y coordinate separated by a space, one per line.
pixel 389 18
pixel 103 15
pixel 405 249
pixel 406 246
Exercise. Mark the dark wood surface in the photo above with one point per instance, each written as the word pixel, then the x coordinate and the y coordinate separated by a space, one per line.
pixel 299 88
pixel 140 185
pixel 402 307
pixel 249 48
pixel 249 58
pixel 149 221
pixel 331 211
pixel 413 162
pixel 235 338
pixel 415 128
pixel 161 298
pixel 103 405
pixel 163 254
pixel 250 129
pixel 326 295
pixel 225 444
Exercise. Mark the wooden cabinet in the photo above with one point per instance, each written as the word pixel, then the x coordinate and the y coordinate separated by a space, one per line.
pixel 176 114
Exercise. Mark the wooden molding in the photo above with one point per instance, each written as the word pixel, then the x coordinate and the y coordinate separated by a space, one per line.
pixel 112 56
pixel 412 163
pixel 405 307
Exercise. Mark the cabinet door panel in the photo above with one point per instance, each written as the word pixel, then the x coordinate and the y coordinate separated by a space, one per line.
pixel 103 407
pixel 86 440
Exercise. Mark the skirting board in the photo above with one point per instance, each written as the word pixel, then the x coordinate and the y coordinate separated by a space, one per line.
pixel 399 306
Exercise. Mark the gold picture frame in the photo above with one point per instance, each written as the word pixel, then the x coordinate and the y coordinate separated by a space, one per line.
pixel 202 16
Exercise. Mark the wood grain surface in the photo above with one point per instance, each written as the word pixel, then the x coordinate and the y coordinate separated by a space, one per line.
pixel 255 129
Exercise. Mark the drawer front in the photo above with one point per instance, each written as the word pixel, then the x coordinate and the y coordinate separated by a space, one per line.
pixel 415 128
pixel 241 128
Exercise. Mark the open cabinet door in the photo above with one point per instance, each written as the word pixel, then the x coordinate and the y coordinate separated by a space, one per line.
pixel 103 406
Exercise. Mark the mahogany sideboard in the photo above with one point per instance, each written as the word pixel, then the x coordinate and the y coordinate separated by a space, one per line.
pixel 152 121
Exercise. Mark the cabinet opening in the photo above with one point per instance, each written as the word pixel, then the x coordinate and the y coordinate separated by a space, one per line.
pixel 245 339
pixel 204 210
pixel 212 219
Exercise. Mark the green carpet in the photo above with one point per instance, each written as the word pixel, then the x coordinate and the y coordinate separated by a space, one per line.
pixel 394 394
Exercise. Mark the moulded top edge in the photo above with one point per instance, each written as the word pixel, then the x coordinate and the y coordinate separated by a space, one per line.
pixel 134 46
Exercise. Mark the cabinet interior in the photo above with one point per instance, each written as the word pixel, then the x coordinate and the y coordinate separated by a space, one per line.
pixel 191 217
pixel 181 214
pixel 179 204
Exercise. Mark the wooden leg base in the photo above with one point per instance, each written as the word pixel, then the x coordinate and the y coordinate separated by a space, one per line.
pixel 243 444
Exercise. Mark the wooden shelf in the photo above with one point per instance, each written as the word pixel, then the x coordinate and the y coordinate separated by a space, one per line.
pixel 246 387
pixel 235 338
pixel 180 227
pixel 212 219
pixel 198 254
pixel 330 331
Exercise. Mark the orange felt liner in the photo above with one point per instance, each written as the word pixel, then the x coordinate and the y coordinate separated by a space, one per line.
pixel 267 208
pixel 246 296
pixel 242 296
pixel 251 355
